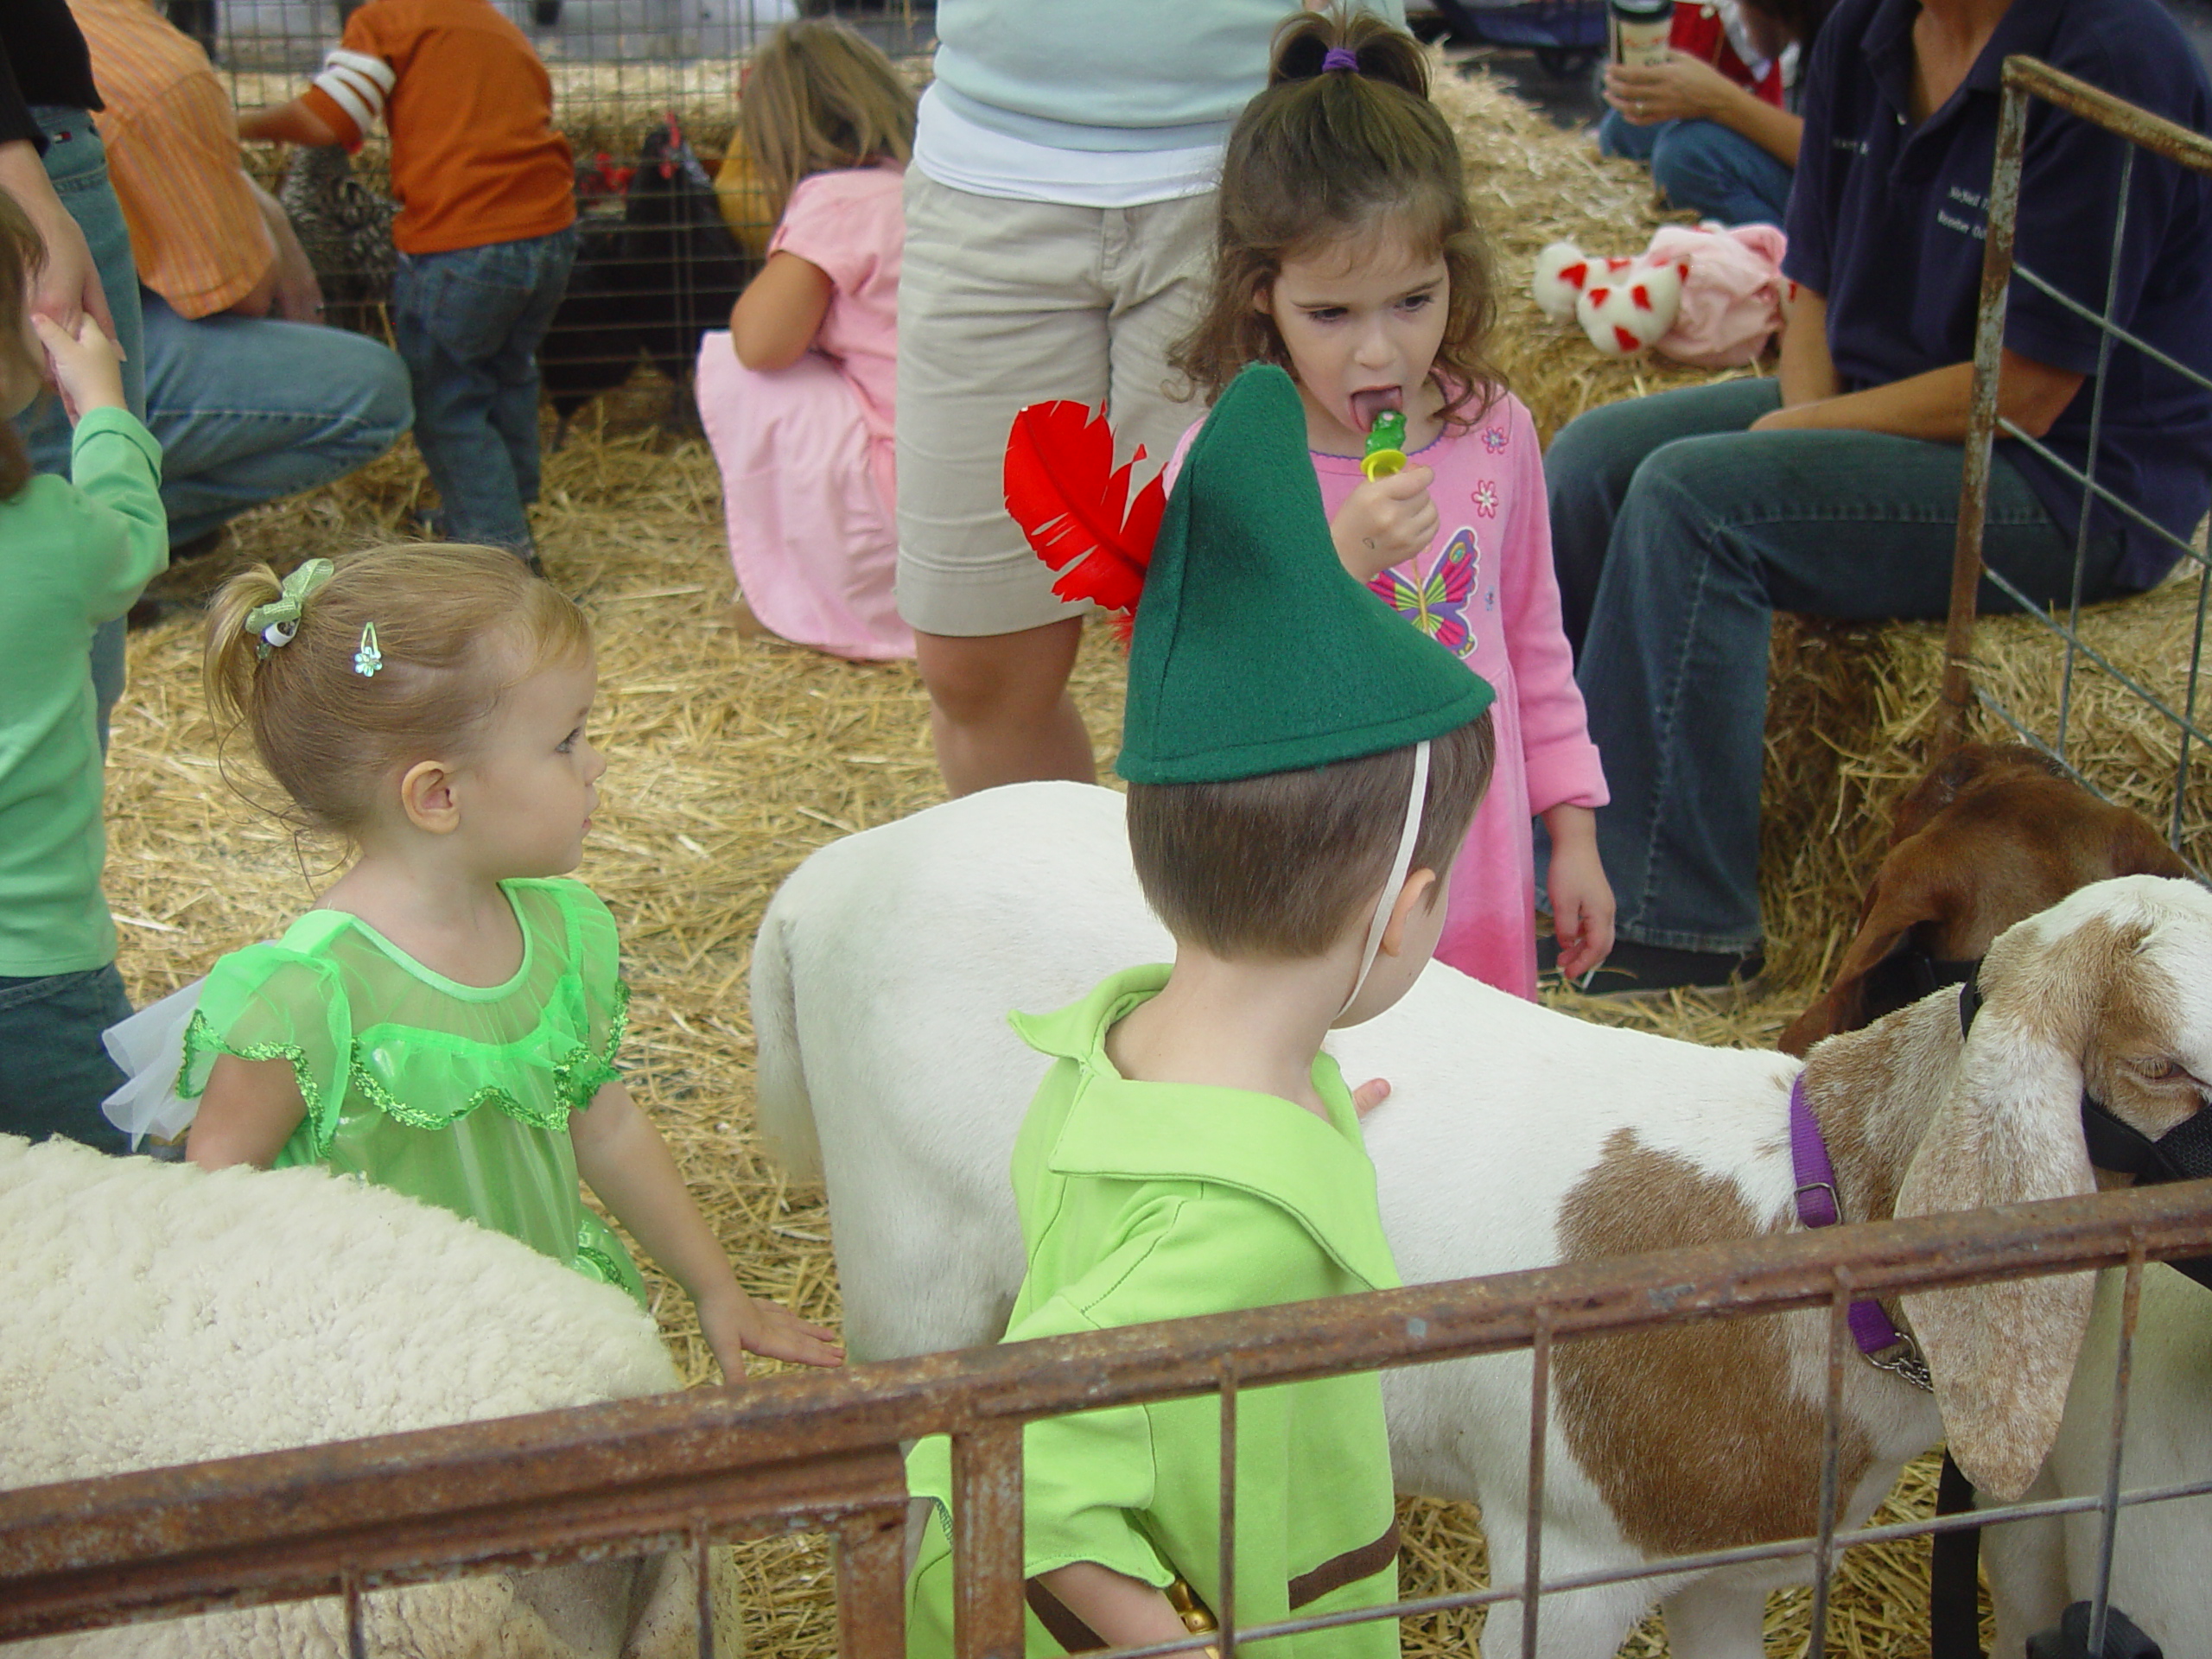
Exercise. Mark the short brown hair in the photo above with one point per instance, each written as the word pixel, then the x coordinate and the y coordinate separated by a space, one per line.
pixel 821 95
pixel 1323 155
pixel 457 627
pixel 22 252
pixel 1279 865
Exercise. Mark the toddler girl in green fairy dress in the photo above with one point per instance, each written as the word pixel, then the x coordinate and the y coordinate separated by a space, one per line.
pixel 444 1021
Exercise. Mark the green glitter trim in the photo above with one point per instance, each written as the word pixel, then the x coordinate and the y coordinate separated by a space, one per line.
pixel 575 1081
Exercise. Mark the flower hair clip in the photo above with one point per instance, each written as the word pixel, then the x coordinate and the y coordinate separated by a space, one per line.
pixel 368 658
pixel 278 620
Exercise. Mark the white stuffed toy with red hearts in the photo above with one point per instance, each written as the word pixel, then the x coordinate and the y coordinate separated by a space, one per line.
pixel 1624 311
pixel 1708 296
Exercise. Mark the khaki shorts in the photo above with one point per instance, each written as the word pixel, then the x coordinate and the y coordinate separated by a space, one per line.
pixel 1004 303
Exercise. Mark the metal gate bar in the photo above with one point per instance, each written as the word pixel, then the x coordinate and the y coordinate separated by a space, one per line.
pixel 792 1451
pixel 2025 79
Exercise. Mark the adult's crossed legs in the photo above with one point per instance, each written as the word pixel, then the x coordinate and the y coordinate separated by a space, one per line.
pixel 1704 539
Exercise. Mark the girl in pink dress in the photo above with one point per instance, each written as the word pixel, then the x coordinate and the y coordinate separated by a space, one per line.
pixel 797 398
pixel 1348 254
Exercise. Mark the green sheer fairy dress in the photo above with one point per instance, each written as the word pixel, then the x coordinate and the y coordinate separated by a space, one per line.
pixel 456 1095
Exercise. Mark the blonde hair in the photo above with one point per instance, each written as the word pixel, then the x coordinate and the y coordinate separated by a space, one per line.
pixel 22 253
pixel 330 735
pixel 1325 156
pixel 818 97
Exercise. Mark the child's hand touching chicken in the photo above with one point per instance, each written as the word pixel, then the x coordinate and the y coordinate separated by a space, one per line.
pixel 1384 522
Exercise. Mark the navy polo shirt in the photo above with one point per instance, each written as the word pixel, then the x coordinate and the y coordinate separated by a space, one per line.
pixel 1886 220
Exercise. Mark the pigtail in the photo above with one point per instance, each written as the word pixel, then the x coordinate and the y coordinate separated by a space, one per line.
pixel 1303 41
pixel 232 654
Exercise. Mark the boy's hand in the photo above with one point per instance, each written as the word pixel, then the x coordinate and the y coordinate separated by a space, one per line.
pixel 1384 522
pixel 1370 1095
pixel 1582 899
pixel 87 368
pixel 736 1327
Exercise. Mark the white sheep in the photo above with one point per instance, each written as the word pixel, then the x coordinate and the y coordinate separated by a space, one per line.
pixel 158 1314
pixel 1515 1138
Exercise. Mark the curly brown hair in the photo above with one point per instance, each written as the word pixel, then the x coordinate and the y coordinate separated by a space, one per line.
pixel 1322 156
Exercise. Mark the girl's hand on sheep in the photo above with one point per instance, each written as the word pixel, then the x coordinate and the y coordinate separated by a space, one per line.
pixel 1384 522
pixel 1582 899
pixel 737 1326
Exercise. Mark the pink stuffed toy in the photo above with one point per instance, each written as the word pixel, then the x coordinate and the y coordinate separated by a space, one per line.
pixel 1708 296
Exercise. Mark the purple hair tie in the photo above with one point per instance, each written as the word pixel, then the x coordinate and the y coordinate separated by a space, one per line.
pixel 1341 57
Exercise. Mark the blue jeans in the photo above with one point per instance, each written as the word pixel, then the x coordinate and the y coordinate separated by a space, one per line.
pixel 468 324
pixel 76 161
pixel 53 1070
pixel 1713 171
pixel 250 408
pixel 1677 535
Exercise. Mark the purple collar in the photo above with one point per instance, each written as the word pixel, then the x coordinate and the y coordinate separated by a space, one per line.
pixel 1877 1337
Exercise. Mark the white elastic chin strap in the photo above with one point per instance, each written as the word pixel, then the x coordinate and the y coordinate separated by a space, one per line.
pixel 1415 799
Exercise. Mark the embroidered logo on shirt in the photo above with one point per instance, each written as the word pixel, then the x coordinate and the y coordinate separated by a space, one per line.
pixel 1437 603
pixel 1494 439
pixel 1485 498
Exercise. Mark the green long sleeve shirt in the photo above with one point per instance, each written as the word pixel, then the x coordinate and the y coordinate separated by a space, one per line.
pixel 74 553
pixel 1144 1201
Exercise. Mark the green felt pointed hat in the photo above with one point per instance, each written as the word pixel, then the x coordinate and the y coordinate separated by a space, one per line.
pixel 1255 651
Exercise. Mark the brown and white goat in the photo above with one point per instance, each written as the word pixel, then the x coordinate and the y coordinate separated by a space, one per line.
pixel 1994 833
pixel 1515 1137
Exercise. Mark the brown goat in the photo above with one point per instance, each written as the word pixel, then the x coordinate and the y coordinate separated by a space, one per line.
pixel 1994 833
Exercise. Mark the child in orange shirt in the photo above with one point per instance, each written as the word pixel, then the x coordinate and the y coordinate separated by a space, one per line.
pixel 486 232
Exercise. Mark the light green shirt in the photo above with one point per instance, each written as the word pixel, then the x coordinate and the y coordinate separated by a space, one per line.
pixel 74 553
pixel 1144 1201
pixel 1127 74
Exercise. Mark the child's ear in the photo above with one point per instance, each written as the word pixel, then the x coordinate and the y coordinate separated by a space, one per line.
pixel 1421 891
pixel 1263 296
pixel 426 795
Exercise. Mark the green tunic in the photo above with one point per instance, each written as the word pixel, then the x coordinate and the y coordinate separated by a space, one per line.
pixel 456 1095
pixel 1145 1201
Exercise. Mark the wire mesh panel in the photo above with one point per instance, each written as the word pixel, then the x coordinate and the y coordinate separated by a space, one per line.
pixel 822 1450
pixel 672 219
pixel 2168 775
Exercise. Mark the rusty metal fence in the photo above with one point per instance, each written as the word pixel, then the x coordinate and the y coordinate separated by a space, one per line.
pixel 2026 79
pixel 822 1453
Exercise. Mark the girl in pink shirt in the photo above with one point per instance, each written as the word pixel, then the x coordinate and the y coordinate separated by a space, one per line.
pixel 1348 254
pixel 797 398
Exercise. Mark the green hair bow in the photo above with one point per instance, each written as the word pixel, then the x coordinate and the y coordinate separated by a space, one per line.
pixel 279 620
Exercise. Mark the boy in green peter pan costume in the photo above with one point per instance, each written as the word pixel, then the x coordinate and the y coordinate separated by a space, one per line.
pixel 1302 766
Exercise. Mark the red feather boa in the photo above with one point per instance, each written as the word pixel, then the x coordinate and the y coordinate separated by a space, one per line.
pixel 1072 503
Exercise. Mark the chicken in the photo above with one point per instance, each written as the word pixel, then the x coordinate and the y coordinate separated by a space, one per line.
pixel 345 228
pixel 650 283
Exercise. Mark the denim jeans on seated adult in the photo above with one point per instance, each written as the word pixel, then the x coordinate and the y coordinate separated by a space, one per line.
pixel 1713 171
pixel 76 162
pixel 469 323
pixel 248 409
pixel 53 1070
pixel 1677 535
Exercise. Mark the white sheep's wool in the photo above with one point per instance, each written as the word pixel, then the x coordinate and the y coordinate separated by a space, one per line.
pixel 250 1310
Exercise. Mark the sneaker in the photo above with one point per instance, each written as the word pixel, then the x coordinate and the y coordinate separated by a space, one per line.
pixel 1647 973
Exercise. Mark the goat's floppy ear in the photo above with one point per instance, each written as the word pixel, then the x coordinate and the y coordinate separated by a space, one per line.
pixel 1908 889
pixel 2008 1131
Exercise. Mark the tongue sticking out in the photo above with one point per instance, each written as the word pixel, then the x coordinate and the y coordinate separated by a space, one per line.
pixel 1366 405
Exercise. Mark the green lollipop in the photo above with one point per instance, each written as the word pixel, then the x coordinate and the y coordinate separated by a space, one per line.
pixel 1385 445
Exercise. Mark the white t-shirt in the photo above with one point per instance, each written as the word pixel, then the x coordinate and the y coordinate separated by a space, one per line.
pixel 957 152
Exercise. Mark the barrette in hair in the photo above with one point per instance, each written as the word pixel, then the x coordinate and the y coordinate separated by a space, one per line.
pixel 279 620
pixel 1340 57
pixel 368 659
